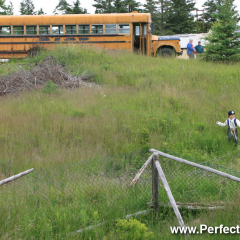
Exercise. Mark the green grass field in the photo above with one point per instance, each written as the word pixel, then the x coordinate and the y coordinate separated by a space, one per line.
pixel 137 103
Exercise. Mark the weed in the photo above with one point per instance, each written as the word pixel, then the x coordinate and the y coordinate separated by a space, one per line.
pixel 50 88
pixel 132 229
pixel 77 113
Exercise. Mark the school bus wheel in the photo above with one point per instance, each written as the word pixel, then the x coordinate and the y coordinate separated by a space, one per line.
pixel 166 52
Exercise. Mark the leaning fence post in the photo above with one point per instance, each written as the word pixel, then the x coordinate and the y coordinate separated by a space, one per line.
pixel 155 183
pixel 169 192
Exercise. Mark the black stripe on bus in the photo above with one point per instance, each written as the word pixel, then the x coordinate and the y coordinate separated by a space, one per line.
pixel 45 39
pixel 11 52
pixel 70 39
pixel 73 35
pixel 12 43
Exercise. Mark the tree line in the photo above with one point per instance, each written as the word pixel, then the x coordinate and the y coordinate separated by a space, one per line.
pixel 168 16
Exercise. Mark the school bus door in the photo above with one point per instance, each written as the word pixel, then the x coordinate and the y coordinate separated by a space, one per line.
pixel 141 38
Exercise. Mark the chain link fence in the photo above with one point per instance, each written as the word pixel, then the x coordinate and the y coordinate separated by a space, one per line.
pixel 193 185
pixel 94 190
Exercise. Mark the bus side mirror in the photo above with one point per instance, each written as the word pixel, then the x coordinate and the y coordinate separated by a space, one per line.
pixel 152 27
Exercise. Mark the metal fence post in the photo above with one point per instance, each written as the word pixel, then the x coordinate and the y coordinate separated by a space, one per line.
pixel 155 183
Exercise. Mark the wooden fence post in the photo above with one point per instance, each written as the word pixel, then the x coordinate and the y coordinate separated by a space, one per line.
pixel 169 193
pixel 155 184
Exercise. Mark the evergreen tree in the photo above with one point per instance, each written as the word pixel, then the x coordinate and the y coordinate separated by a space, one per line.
pixel 160 11
pixel 3 7
pixel 119 6
pixel 6 10
pixel 40 12
pixel 76 9
pixel 211 7
pixel 165 6
pixel 104 6
pixel 223 42
pixel 62 8
pixel 131 6
pixel 180 18
pixel 9 10
pixel 27 7
pixel 99 6
pixel 151 6
pixel 116 6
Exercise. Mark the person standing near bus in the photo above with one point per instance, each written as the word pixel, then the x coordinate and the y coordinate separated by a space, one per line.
pixel 199 48
pixel 190 49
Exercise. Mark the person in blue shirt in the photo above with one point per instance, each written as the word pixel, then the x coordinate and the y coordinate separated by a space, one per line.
pixel 190 49
pixel 199 48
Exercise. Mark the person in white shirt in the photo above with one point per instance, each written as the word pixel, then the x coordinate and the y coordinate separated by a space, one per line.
pixel 232 123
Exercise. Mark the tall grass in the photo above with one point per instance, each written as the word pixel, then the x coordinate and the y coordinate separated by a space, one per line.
pixel 141 101
pixel 138 102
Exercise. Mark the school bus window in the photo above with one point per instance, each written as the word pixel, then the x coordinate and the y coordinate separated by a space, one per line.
pixel 124 28
pixel 137 30
pixel 18 30
pixel 70 29
pixel 57 29
pixel 111 28
pixel 31 30
pixel 5 30
pixel 145 30
pixel 83 29
pixel 97 29
pixel 44 29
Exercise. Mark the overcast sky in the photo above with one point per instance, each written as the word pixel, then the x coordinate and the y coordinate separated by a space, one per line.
pixel 48 6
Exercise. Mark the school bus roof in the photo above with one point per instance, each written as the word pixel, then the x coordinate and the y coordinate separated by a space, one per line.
pixel 74 19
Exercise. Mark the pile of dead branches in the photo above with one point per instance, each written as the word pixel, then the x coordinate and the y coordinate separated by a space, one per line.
pixel 49 70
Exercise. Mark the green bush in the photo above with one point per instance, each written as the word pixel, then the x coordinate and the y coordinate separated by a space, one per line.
pixel 132 229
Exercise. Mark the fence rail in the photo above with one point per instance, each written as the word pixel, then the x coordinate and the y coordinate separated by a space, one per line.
pixel 7 180
pixel 157 172
pixel 96 190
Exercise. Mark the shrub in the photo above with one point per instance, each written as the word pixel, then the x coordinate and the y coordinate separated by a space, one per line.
pixel 132 229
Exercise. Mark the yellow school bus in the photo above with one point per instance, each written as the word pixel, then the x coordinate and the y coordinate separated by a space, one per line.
pixel 25 34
